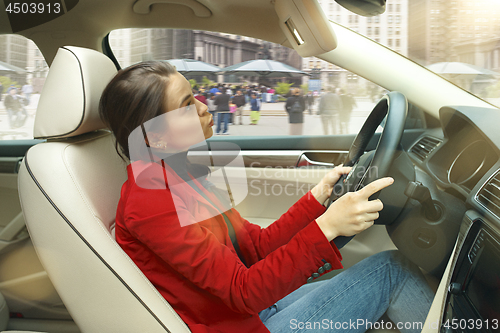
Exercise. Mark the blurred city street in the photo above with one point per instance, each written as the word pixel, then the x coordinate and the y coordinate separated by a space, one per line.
pixel 22 133
pixel 273 121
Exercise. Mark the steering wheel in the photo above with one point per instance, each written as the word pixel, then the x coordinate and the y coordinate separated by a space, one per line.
pixel 370 166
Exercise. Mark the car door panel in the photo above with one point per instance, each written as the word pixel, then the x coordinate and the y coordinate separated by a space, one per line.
pixel 309 142
pixel 275 181
pixel 26 286
pixel 23 280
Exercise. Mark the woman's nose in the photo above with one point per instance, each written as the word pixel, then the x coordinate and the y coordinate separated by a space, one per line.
pixel 202 108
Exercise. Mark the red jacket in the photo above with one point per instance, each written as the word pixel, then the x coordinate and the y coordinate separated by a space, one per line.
pixel 196 268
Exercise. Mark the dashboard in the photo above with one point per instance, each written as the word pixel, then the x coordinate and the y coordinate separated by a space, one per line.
pixel 459 155
pixel 462 158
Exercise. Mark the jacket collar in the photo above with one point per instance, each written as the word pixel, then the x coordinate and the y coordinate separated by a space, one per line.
pixel 159 175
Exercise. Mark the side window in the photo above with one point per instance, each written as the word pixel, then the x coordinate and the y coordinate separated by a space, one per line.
pixel 306 96
pixel 22 74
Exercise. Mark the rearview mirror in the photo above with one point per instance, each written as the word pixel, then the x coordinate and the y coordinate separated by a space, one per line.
pixel 364 7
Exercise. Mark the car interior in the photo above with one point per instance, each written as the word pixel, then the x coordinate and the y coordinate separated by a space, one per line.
pixel 61 269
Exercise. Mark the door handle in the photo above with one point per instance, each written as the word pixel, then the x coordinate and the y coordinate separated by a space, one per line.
pixel 305 161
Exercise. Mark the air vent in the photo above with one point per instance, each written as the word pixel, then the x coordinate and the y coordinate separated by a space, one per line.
pixel 424 147
pixel 489 195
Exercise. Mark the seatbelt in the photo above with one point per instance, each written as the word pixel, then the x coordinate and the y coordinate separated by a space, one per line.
pixel 230 228
pixel 232 236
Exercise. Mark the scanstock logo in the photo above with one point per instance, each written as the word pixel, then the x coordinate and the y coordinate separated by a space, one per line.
pixel 26 14
pixel 212 183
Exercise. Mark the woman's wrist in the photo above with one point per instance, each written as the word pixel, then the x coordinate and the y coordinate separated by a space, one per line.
pixel 329 232
pixel 319 193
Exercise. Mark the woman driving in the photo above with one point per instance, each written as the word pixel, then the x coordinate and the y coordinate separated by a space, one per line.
pixel 219 272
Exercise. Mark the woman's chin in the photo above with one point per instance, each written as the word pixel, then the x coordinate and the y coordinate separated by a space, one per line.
pixel 209 133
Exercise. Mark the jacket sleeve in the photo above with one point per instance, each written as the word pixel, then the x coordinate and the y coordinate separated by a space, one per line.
pixel 8 102
pixel 300 215
pixel 287 105
pixel 195 252
pixel 241 100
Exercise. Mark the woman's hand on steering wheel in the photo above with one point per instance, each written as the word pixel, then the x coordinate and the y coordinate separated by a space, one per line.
pixel 353 212
pixel 323 189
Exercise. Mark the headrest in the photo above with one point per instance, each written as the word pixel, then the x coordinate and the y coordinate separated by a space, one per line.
pixel 69 103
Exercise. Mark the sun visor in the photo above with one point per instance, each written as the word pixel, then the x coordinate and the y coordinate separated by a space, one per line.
pixel 306 26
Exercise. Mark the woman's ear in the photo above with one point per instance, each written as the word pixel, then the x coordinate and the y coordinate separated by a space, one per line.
pixel 153 140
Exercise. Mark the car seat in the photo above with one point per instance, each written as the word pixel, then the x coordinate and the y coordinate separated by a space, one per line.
pixel 69 188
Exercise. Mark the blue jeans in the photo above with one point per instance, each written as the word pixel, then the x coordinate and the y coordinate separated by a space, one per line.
pixel 222 117
pixel 356 298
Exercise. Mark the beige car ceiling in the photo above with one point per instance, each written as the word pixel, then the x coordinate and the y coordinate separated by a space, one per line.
pixel 90 20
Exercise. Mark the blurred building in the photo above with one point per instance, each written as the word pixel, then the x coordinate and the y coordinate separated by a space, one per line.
pixel 37 67
pixel 141 44
pixel 211 47
pixel 119 40
pixel 484 52
pixel 280 53
pixel 14 51
pixel 455 30
pixel 224 49
pixel 131 46
pixel 478 29
pixel 431 23
pixel 272 51
pixel 215 48
pixel 389 29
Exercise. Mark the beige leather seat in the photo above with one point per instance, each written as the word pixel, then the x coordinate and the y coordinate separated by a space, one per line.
pixel 69 188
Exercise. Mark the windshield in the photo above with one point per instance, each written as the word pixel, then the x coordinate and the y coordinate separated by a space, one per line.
pixel 457 39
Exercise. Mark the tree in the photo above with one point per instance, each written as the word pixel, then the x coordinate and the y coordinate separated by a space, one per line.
pixel 305 88
pixel 283 88
pixel 7 82
pixel 193 83
pixel 207 82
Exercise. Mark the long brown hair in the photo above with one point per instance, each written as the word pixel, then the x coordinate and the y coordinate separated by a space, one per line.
pixel 135 95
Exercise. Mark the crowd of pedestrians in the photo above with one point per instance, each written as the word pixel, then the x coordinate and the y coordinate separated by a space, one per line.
pixel 335 107
pixel 226 104
pixel 15 101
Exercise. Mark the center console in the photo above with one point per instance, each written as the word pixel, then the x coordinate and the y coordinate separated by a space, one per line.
pixel 473 298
